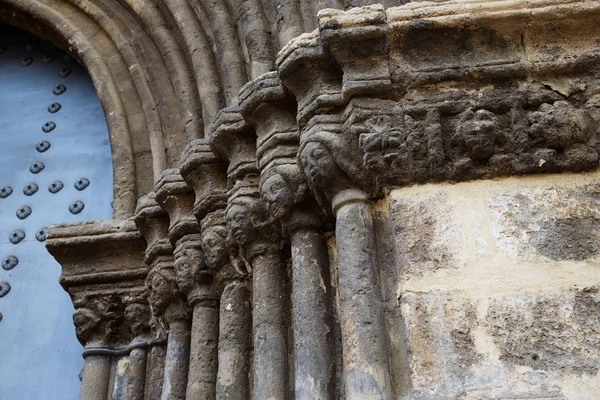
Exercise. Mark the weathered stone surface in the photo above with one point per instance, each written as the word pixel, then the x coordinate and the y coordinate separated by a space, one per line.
pixel 490 310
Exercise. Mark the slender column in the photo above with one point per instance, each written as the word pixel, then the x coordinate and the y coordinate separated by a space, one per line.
pixel 96 374
pixel 138 359
pixel 194 280
pixel 204 350
pixel 177 358
pixel 234 342
pixel 155 372
pixel 313 331
pixel 259 240
pixel 361 304
pixel 166 300
pixel 269 325
pixel 287 198
pixel 205 173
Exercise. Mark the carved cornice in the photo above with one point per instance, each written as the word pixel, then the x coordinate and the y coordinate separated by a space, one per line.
pixel 385 53
pixel 112 277
pixel 444 91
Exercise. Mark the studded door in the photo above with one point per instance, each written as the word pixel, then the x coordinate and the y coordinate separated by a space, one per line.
pixel 55 166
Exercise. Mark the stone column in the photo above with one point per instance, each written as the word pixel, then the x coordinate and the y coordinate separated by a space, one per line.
pixel 194 280
pixel 332 151
pixel 287 197
pixel 137 315
pixel 205 172
pixel 167 302
pixel 259 241
pixel 102 270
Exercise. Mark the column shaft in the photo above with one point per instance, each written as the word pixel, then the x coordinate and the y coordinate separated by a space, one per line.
pixel 269 323
pixel 202 375
pixel 137 373
pixel 313 331
pixel 96 375
pixel 155 372
pixel 177 360
pixel 235 330
pixel 366 371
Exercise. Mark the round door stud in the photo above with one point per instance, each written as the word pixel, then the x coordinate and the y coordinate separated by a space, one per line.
pixel 16 236
pixel 82 183
pixel 30 189
pixel 10 262
pixel 64 72
pixel 26 61
pixel 54 107
pixel 23 212
pixel 55 187
pixel 36 167
pixel 76 207
pixel 42 146
pixel 5 192
pixel 41 234
pixel 48 126
pixel 59 89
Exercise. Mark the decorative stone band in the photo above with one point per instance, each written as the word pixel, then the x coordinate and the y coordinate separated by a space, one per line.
pixel 122 351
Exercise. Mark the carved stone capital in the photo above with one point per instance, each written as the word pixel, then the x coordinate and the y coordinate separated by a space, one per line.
pixel 283 186
pixel 193 278
pixel 219 250
pixel 234 138
pixel 248 222
pixel 205 172
pixel 103 269
pixel 175 197
pixel 165 298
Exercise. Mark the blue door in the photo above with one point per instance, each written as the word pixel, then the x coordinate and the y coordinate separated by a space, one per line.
pixel 55 166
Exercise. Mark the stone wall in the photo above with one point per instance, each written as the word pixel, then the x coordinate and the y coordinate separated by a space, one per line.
pixel 498 287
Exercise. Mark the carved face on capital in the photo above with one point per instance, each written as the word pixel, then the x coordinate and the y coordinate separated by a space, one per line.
pixel 138 317
pixel 277 195
pixel 189 263
pixel 215 246
pixel 160 291
pixel 318 163
pixel 85 321
pixel 239 223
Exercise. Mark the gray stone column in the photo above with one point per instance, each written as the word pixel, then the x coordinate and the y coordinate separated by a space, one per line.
pixel 167 301
pixel 361 306
pixel 194 280
pixel 259 240
pixel 205 173
pixel 177 359
pixel 311 308
pixel 287 198
pixel 235 331
pixel 96 376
